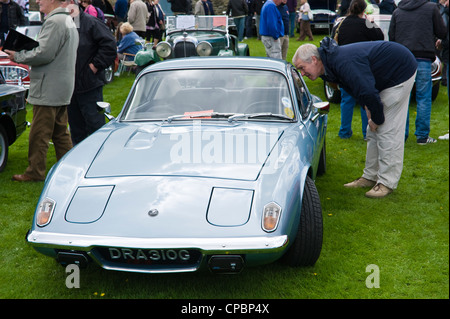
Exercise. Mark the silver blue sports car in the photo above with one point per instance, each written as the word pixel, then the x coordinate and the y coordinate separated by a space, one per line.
pixel 209 165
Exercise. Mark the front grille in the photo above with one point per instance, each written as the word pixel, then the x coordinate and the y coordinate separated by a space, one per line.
pixel 184 49
pixel 13 74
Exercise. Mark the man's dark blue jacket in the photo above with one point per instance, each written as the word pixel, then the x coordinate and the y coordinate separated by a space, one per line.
pixel 364 69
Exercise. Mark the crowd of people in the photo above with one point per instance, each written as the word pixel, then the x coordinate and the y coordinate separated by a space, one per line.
pixel 381 81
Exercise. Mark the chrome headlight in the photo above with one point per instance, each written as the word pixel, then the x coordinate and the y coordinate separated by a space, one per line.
pixel 163 49
pixel 436 67
pixel 204 48
pixel 271 216
pixel 45 212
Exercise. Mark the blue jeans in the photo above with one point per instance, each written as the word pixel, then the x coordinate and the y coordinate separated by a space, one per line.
pixel 423 100
pixel 347 105
pixel 292 16
pixel 240 26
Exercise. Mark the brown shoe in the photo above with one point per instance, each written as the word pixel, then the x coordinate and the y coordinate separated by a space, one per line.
pixel 24 178
pixel 360 182
pixel 379 191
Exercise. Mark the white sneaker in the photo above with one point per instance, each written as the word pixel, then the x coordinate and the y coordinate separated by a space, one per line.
pixel 443 137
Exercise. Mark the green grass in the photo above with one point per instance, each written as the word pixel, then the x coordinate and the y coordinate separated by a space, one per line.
pixel 406 234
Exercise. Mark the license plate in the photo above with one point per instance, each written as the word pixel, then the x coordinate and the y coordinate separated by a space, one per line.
pixel 321 26
pixel 150 256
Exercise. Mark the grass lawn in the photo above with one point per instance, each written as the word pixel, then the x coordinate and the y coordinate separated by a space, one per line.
pixel 406 235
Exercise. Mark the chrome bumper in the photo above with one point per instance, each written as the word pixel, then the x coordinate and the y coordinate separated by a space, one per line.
pixel 238 245
pixel 73 245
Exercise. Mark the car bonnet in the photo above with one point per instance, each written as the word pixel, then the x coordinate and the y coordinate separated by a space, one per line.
pixel 197 149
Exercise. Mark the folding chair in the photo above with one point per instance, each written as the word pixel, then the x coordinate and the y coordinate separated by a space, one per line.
pixel 126 64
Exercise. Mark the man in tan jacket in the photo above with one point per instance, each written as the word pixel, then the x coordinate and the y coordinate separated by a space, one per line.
pixel 138 16
pixel 52 82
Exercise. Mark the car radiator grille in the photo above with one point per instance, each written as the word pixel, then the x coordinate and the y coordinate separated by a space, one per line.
pixel 184 49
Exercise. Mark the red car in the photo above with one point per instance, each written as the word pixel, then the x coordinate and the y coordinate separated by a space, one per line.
pixel 14 73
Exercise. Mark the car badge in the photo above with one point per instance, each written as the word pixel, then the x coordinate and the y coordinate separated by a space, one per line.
pixel 153 212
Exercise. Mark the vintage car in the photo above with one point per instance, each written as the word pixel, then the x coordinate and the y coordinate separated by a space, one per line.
pixel 14 73
pixel 332 92
pixel 209 165
pixel 12 116
pixel 188 35
pixel 324 15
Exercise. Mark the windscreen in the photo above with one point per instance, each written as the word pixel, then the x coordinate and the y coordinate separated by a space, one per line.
pixel 209 94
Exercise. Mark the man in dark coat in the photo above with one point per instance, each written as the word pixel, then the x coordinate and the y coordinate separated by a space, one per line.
pixel 97 50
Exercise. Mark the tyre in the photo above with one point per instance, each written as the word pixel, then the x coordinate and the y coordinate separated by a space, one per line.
pixel 305 250
pixel 3 148
pixel 435 91
pixel 332 94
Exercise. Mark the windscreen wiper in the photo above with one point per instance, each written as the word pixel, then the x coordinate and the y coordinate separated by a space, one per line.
pixel 255 115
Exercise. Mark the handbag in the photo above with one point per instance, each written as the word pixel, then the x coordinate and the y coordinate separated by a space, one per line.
pixel 336 33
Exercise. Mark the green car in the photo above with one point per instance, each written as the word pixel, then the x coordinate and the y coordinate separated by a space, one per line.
pixel 188 35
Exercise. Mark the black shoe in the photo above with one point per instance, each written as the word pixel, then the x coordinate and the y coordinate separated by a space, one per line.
pixel 425 141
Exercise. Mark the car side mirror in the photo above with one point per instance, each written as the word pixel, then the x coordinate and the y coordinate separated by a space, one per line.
pixel 105 108
pixel 322 109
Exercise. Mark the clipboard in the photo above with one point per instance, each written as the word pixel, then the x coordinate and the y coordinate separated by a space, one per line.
pixel 16 41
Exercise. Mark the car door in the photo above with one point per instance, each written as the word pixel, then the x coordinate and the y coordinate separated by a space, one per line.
pixel 311 123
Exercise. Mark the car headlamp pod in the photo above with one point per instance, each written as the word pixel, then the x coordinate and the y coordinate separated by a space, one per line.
pixel 45 212
pixel 204 48
pixel 271 216
pixel 163 49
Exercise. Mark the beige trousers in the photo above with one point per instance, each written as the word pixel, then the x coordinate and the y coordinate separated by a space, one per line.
pixel 385 146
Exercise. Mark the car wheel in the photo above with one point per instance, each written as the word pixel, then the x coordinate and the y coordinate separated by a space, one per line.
pixel 435 91
pixel 3 148
pixel 305 249
pixel 322 168
pixel 333 95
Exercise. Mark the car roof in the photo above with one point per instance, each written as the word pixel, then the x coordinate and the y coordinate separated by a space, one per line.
pixel 219 62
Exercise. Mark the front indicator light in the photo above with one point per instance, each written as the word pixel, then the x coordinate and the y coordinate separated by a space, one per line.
pixel 204 49
pixel 271 217
pixel 45 212
pixel 163 49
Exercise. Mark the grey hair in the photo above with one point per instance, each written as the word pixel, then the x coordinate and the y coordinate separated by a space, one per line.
pixel 305 52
